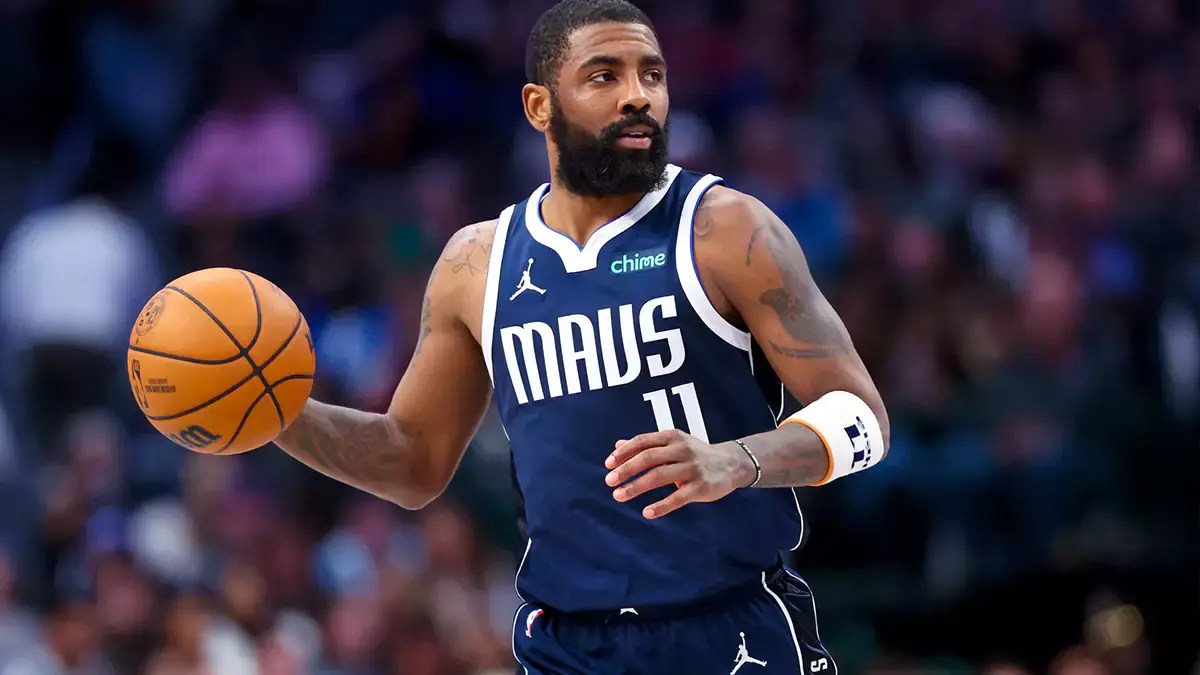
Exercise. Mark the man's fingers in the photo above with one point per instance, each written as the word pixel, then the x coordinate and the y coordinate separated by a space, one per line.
pixel 626 449
pixel 655 478
pixel 623 449
pixel 672 501
pixel 644 461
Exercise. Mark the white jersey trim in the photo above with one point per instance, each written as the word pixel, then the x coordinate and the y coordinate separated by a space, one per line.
pixel 491 288
pixel 800 511
pixel 689 278
pixel 517 576
pixel 578 258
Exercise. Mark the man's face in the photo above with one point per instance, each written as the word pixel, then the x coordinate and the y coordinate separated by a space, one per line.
pixel 609 111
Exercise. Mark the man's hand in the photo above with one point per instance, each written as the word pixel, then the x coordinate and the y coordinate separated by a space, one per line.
pixel 702 472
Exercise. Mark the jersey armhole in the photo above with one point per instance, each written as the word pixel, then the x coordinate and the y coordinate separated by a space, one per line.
pixel 689 275
pixel 492 286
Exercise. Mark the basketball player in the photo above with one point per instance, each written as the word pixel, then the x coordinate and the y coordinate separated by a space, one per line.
pixel 648 335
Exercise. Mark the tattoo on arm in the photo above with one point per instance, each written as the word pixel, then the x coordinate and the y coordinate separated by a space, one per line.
pixel 363 449
pixel 790 456
pixel 803 311
pixel 802 352
pixel 813 327
pixel 426 312
pixel 753 236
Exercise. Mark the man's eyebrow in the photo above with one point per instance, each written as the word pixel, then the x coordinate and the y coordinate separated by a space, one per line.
pixel 601 60
pixel 653 60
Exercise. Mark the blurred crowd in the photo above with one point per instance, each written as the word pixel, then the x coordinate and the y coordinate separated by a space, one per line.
pixel 1000 197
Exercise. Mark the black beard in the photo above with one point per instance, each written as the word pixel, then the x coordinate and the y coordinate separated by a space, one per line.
pixel 593 166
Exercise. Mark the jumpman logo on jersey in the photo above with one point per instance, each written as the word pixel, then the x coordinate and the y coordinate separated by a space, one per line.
pixel 743 657
pixel 526 284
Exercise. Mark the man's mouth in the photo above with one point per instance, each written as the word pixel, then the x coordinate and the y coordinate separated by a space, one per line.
pixel 637 136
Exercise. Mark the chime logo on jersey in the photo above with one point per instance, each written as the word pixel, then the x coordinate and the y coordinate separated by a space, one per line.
pixel 638 261
pixel 601 350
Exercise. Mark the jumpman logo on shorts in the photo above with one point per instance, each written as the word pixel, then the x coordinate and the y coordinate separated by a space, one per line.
pixel 526 284
pixel 743 657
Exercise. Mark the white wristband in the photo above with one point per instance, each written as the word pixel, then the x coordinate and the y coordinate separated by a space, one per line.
pixel 849 430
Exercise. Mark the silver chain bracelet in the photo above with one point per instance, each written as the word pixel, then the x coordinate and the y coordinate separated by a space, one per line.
pixel 757 467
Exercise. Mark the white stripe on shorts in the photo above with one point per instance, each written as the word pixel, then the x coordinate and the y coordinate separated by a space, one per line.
pixel 517 615
pixel 788 617
pixel 816 626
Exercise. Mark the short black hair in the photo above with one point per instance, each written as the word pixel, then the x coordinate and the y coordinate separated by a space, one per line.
pixel 550 35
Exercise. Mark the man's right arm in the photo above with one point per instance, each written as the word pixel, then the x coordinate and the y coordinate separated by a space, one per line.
pixel 408 455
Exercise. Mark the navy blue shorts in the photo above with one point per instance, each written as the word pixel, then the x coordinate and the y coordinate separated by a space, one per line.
pixel 767 628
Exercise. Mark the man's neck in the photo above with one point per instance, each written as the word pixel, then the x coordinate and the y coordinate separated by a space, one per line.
pixel 577 216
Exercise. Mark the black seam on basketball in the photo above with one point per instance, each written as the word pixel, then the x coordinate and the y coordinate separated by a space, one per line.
pixel 228 333
pixel 257 312
pixel 253 405
pixel 186 359
pixel 269 361
pixel 257 331
pixel 245 352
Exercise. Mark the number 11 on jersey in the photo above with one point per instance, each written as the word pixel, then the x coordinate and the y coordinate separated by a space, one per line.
pixel 661 404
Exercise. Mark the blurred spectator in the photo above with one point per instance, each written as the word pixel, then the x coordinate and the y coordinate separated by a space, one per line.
pixel 82 519
pixel 18 627
pixel 72 276
pixel 182 644
pixel 253 159
pixel 125 606
pixel 137 77
pixel 71 646
pixel 162 539
pixel 256 153
pixel 354 625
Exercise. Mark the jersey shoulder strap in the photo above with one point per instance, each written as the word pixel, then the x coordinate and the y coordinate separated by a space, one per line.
pixel 688 270
pixel 492 284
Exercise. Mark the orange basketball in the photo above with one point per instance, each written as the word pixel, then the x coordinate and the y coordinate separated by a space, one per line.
pixel 221 361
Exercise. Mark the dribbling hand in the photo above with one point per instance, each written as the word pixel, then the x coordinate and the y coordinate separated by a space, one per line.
pixel 701 472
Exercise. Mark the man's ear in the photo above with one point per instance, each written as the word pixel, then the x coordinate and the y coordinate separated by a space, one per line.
pixel 536 100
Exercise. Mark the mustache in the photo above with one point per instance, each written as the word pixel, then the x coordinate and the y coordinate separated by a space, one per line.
pixel 611 132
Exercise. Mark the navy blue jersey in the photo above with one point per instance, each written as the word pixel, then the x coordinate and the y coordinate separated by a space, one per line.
pixel 589 345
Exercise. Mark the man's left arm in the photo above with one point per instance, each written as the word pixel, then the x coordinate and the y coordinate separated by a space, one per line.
pixel 773 293
pixel 756 274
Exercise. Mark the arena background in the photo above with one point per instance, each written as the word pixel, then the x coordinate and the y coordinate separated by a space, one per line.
pixel 1000 197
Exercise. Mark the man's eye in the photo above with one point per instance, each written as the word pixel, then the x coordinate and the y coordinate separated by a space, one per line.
pixel 603 77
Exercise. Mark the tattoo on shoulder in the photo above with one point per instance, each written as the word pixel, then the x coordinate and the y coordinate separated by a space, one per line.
pixel 713 206
pixel 470 253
